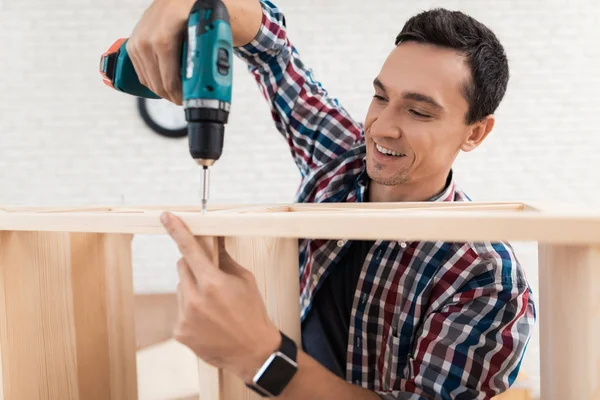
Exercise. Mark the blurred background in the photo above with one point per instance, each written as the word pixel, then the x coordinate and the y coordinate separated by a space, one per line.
pixel 66 139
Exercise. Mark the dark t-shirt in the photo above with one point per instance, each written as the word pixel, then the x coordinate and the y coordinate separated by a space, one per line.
pixel 326 326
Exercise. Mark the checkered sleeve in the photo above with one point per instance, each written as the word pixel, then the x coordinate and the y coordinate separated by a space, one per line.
pixel 472 346
pixel 314 124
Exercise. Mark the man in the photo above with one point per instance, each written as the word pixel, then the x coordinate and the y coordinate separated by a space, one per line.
pixel 380 319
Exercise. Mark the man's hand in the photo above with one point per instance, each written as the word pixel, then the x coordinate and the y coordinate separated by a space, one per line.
pixel 155 47
pixel 155 43
pixel 222 317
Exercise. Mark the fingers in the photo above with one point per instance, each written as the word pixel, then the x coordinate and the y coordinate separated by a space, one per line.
pixel 154 76
pixel 157 66
pixel 195 256
pixel 155 47
pixel 145 62
pixel 179 293
pixel 139 47
pixel 136 61
pixel 168 57
pixel 187 283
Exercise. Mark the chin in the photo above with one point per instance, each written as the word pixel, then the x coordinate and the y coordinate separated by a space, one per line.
pixel 382 177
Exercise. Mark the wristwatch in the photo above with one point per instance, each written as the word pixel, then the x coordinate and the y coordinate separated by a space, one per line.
pixel 277 371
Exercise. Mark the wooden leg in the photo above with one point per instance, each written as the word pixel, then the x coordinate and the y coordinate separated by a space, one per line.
pixel 274 263
pixel 67 316
pixel 569 308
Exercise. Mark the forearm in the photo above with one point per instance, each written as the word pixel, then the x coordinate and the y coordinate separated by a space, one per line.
pixel 316 127
pixel 313 381
pixel 245 18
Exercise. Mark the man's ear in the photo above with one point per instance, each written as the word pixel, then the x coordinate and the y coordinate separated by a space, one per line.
pixel 478 132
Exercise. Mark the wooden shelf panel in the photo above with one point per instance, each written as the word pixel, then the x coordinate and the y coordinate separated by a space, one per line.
pixel 473 221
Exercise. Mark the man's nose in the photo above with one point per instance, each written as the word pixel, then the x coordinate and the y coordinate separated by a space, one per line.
pixel 386 126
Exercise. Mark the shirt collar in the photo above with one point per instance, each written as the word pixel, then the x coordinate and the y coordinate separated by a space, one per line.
pixel 449 190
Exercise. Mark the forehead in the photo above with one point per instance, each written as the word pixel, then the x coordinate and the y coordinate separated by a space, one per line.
pixel 435 71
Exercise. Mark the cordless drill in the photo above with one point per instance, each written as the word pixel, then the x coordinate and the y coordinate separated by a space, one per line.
pixel 206 76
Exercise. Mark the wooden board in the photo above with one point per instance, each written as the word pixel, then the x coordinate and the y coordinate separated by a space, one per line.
pixel 447 221
pixel 66 316
pixel 569 307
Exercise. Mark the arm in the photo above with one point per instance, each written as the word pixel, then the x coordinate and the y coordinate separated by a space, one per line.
pixel 313 381
pixel 316 127
pixel 470 348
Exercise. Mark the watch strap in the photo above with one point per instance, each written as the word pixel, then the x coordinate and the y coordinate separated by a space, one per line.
pixel 287 351
pixel 289 348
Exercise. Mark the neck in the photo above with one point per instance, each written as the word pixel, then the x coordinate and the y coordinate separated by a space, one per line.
pixel 410 191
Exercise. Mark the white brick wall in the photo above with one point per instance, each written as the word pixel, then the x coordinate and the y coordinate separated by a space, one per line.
pixel 67 139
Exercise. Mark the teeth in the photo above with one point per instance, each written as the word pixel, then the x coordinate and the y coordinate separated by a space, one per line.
pixel 387 151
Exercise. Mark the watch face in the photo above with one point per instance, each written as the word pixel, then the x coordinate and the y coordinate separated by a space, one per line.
pixel 278 374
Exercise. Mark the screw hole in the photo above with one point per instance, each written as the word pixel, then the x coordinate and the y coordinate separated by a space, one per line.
pixel 210 88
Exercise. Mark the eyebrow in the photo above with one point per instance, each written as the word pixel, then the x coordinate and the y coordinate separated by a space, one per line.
pixel 415 96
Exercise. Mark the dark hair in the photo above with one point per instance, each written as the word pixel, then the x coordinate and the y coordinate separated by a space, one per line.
pixel 482 49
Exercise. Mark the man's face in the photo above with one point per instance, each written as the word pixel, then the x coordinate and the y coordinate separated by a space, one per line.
pixel 418 111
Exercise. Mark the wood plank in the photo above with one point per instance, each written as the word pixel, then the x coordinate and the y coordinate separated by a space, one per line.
pixel 569 309
pixel 568 227
pixel 67 330
pixel 433 207
pixel 1 334
pixel 120 314
pixel 38 335
pixel 409 205
pixel 211 380
pixel 295 207
pixel 103 285
pixel 118 208
pixel 253 209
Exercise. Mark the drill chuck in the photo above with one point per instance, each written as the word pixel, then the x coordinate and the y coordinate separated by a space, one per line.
pixel 206 128
pixel 206 141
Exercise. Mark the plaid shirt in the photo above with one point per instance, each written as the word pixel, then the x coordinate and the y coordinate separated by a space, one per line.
pixel 429 319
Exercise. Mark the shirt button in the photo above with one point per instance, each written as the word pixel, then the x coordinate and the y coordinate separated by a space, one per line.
pixel 403 245
pixel 340 243
pixel 363 298
pixel 358 341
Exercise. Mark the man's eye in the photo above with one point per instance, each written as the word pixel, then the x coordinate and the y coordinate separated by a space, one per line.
pixel 420 115
pixel 378 97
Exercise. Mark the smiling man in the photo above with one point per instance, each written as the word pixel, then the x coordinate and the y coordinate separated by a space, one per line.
pixel 434 96
pixel 380 319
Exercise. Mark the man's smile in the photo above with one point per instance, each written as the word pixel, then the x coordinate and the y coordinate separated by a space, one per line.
pixel 388 152
pixel 384 156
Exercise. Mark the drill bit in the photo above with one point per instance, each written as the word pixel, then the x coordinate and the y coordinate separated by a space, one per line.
pixel 205 182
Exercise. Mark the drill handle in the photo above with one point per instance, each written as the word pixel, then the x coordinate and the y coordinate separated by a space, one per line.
pixel 118 72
